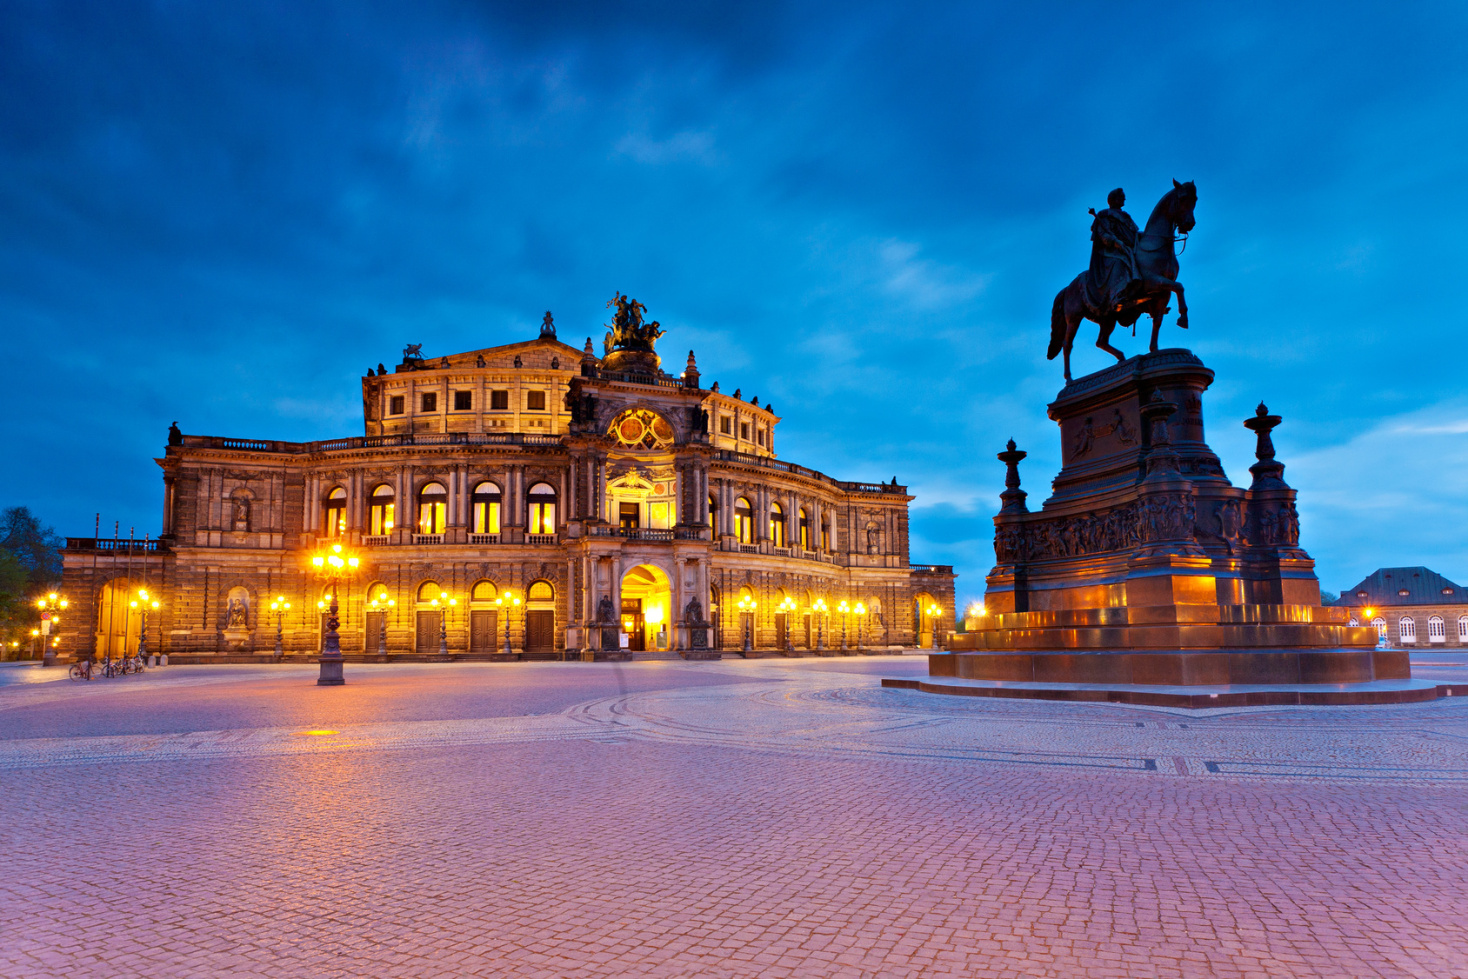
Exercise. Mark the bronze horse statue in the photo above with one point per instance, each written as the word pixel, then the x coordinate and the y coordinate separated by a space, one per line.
pixel 1156 267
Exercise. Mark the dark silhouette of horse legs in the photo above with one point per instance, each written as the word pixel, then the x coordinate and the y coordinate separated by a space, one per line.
pixel 1156 285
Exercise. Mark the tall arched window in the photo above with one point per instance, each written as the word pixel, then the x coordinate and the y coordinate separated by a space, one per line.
pixel 1437 629
pixel 1407 629
pixel 542 500
pixel 432 507
pixel 1463 628
pixel 803 519
pixel 825 533
pixel 777 525
pixel 486 504
pixel 334 513
pixel 1354 622
pixel 743 521
pixel 1380 625
pixel 380 511
pixel 428 591
pixel 713 512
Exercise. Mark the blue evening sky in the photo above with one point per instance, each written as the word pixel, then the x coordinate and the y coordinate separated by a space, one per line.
pixel 222 213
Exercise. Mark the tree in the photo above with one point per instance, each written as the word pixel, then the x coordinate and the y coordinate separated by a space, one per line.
pixel 37 548
pixel 1328 597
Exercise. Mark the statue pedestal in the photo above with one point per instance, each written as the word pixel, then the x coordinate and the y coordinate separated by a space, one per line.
pixel 1147 566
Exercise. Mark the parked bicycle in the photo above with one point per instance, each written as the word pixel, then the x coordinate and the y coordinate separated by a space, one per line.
pixel 81 671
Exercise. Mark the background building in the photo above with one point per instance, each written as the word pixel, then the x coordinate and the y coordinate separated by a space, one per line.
pixel 601 494
pixel 1410 607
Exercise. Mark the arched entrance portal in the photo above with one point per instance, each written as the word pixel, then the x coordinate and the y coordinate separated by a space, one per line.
pixel 647 607
pixel 118 622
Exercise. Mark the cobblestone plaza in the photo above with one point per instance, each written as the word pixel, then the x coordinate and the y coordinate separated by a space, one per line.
pixel 729 818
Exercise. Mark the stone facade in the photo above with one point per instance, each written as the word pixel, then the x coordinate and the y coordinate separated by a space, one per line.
pixel 1411 608
pixel 525 482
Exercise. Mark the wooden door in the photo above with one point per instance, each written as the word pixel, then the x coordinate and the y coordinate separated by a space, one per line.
pixel 427 638
pixel 781 627
pixel 540 631
pixel 483 630
pixel 375 622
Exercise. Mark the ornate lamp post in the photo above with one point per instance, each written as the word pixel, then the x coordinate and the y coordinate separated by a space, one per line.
pixel 143 603
pixel 332 564
pixel 747 605
pixel 381 603
pixel 787 606
pixel 845 611
pixel 507 600
pixel 443 603
pixel 933 612
pixel 818 608
pixel 860 611
pixel 49 606
pixel 280 607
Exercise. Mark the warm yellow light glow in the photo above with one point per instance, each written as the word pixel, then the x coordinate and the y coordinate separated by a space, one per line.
pixel 133 604
pixel 40 603
pixel 35 632
pixel 64 603
pixel 351 562
pixel 337 548
pixel 655 615
pixel 143 594
pixel 860 609
pixel 819 606
pixel 155 603
pixel 1370 613
pixel 843 608
pixel 319 732
pixel 52 596
pixel 318 560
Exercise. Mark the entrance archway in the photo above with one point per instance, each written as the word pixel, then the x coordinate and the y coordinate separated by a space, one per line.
pixel 118 622
pixel 647 607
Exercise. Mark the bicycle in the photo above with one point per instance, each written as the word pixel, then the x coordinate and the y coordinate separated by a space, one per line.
pixel 81 671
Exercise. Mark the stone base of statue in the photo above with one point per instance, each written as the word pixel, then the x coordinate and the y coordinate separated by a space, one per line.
pixel 1147 568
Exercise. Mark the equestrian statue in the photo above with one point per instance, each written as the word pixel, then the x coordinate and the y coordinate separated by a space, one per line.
pixel 1132 273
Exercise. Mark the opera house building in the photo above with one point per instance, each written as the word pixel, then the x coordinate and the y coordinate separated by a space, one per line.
pixel 531 500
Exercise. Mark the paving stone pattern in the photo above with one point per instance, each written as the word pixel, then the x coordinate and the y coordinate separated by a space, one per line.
pixel 724 819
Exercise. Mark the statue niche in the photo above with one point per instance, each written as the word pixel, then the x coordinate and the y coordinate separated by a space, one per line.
pixel 235 619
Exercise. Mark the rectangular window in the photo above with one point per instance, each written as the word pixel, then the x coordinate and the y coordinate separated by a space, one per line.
pixel 535 400
pixel 395 405
pixel 499 401
pixel 726 425
pixel 760 434
pixel 463 400
pixel 744 431
pixel 430 402
pixel 629 516
pixel 486 517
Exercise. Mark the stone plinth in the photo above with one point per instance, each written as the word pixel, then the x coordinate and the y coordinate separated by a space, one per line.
pixel 1146 565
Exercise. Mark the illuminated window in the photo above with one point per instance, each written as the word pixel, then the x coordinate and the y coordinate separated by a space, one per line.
pixel 540 591
pixel 334 517
pixel 1406 629
pixel 463 400
pixel 432 507
pixel 1380 625
pixel 499 401
pixel 395 405
pixel 542 500
pixel 380 511
pixel 430 401
pixel 713 511
pixel 428 591
pixel 743 521
pixel 486 505
pixel 1437 629
pixel 804 521
pixel 483 591
pixel 726 425
pixel 1354 622
pixel 1463 628
pixel 777 525
pixel 825 534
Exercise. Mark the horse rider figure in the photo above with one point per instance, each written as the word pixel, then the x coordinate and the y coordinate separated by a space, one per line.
pixel 1113 281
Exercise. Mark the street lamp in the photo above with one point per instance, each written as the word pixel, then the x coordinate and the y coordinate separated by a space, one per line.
pixel 861 611
pixel 381 603
pixel 845 611
pixel 332 564
pixel 933 612
pixel 280 607
pixel 35 641
pixel 787 606
pixel 49 606
pixel 443 603
pixel 747 605
pixel 143 603
pixel 507 600
pixel 819 608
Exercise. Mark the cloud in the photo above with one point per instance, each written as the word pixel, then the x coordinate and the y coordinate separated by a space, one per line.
pixel 690 147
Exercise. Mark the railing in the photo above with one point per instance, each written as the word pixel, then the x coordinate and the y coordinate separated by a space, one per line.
pixel 113 544
pixel 644 533
pixel 748 549
pixel 428 538
pixel 484 538
pixel 689 533
pixel 932 568
pixel 630 377
pixel 375 540
pixel 766 462
pixel 540 538
pixel 369 442
pixel 782 551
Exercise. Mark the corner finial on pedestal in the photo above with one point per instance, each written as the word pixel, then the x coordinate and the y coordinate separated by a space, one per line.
pixel 1013 498
pixel 1268 472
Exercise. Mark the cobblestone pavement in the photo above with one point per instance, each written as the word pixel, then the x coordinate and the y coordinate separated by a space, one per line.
pixel 737 818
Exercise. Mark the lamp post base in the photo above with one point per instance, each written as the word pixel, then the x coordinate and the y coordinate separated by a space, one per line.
pixel 48 658
pixel 331 672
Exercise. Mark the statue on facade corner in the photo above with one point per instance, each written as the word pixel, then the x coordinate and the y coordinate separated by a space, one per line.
pixel 175 436
pixel 547 327
pixel 1132 273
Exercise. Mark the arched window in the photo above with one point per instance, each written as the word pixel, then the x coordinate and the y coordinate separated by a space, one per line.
pixel 1354 622
pixel 777 525
pixel 542 499
pixel 1437 629
pixel 1406 629
pixel 1463 628
pixel 432 506
pixel 743 521
pixel 428 591
pixel 540 591
pixel 483 591
pixel 334 515
pixel 1380 625
pixel 713 512
pixel 825 533
pixel 380 511
pixel 486 506
pixel 803 519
